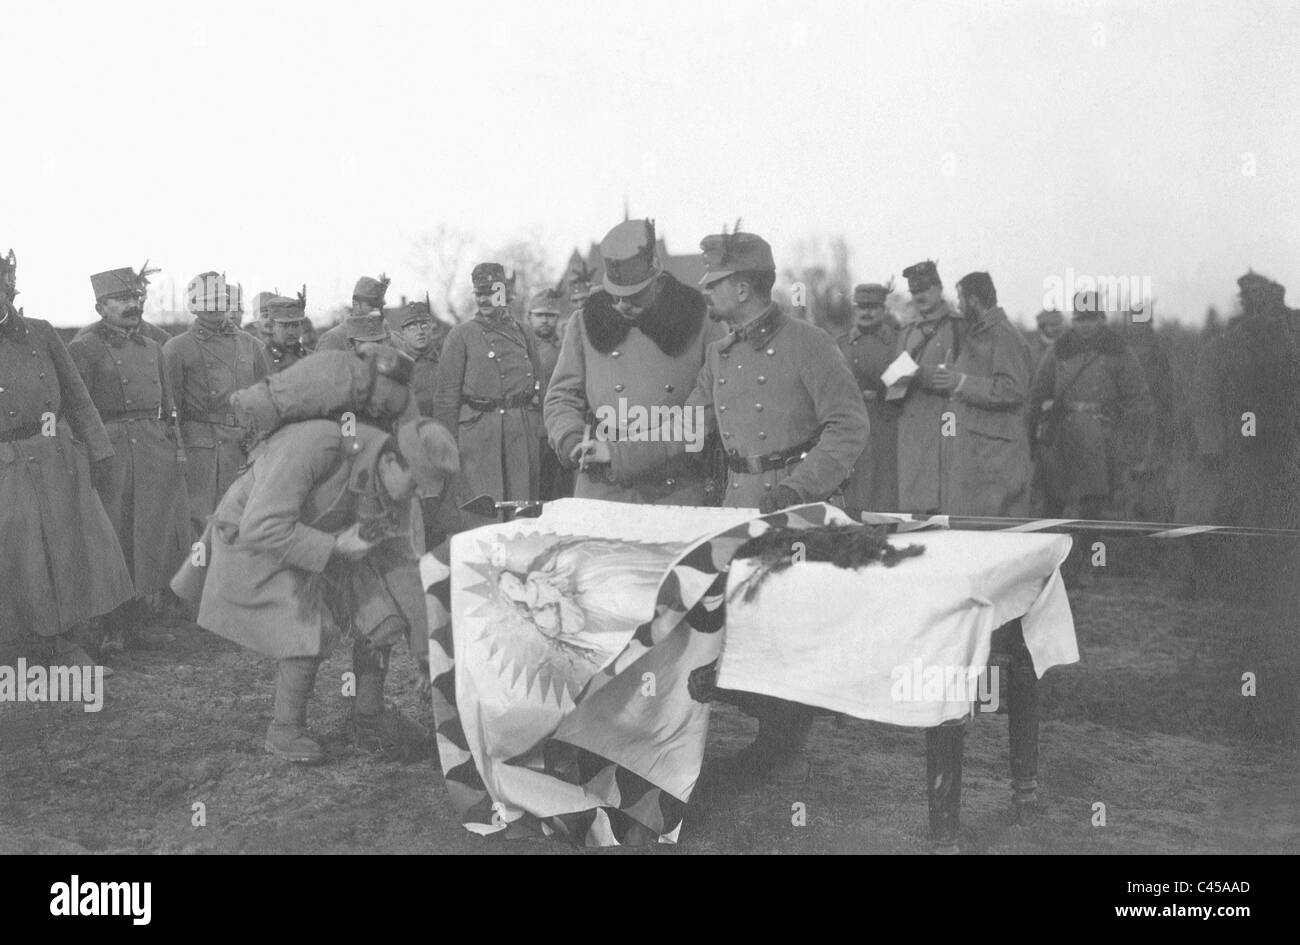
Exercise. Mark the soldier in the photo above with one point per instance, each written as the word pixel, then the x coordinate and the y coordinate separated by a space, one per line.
pixel 869 349
pixel 1148 493
pixel 314 542
pixel 144 495
pixel 933 340
pixel 205 365
pixel 487 394
pixel 1242 398
pixel 60 563
pixel 420 335
pixel 989 389
pixel 637 346
pixel 1051 325
pixel 581 284
pixel 367 299
pixel 544 316
pixel 793 424
pixel 1089 400
pixel 286 316
pixel 262 328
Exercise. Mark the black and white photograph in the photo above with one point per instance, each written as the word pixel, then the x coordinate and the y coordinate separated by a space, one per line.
pixel 717 427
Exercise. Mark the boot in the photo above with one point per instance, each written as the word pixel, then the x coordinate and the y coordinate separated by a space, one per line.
pixel 779 752
pixel 63 650
pixel 287 736
pixel 381 731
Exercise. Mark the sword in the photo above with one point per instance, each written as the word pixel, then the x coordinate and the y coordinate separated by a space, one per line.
pixel 904 522
pixel 487 506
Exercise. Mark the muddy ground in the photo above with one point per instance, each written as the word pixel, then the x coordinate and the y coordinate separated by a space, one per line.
pixel 1151 723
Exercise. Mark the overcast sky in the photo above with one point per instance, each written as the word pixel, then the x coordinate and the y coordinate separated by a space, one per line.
pixel 313 142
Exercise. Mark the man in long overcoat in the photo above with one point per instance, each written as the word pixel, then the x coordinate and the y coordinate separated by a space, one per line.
pixel 206 364
pixel 869 348
pixel 635 348
pixel 487 395
pixel 314 542
pixel 60 562
pixel 989 384
pixel 933 340
pixel 145 496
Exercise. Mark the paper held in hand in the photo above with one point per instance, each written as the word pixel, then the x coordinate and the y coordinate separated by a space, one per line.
pixel 897 376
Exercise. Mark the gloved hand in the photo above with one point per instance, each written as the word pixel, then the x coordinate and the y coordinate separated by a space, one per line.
pixel 566 447
pixel 703 682
pixel 101 475
pixel 782 497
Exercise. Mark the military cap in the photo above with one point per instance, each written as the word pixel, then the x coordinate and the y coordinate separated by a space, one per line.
pixel 980 285
pixel 413 312
pixel 366 327
pixel 9 275
pixel 487 274
pixel 371 291
pixel 728 253
pixel 210 293
pixel 118 282
pixel 545 302
pixel 870 292
pixel 631 260
pixel 1045 312
pixel 922 276
pixel 430 452
pixel 281 308
pixel 1088 303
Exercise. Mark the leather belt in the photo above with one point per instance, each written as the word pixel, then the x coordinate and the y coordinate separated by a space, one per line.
pixel 24 432
pixel 222 419
pixel 484 404
pixel 778 460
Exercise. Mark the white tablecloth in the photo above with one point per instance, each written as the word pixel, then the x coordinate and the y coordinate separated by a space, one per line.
pixel 870 643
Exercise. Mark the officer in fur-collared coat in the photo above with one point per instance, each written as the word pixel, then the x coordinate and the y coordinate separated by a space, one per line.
pixel 639 344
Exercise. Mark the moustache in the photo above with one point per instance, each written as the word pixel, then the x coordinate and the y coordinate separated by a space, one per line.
pixel 134 311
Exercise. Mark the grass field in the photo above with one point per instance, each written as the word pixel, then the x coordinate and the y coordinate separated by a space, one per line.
pixel 1151 723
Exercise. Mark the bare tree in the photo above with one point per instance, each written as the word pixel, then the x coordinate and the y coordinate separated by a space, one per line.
pixel 441 256
pixel 822 270
pixel 526 259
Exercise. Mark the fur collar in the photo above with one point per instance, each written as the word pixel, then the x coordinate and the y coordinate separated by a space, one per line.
pixel 672 324
pixel 1106 341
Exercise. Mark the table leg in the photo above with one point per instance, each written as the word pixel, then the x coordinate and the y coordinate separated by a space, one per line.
pixel 943 756
pixel 1022 722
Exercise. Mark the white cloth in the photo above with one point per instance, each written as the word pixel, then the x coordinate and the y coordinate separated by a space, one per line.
pixel 850 641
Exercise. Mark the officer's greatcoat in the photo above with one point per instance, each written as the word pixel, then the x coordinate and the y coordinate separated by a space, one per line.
pixel 272 583
pixel 1103 400
pixel 990 468
pixel 204 367
pixel 605 361
pixel 60 562
pixel 924 452
pixel 874 483
pixel 486 395
pixel 146 501
pixel 780 384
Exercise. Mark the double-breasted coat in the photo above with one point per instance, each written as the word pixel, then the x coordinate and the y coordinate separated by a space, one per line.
pixel 146 499
pixel 60 562
pixel 990 471
pixel 280 356
pixel 204 367
pixel 489 359
pixel 272 582
pixel 874 483
pixel 776 385
pixel 924 452
pixel 1103 401
pixel 652 366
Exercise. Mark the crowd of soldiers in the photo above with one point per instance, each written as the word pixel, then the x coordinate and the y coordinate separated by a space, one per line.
pixel 121 451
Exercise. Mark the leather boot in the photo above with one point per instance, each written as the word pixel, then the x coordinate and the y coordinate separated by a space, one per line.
pixel 778 753
pixel 287 736
pixel 63 650
pixel 374 728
